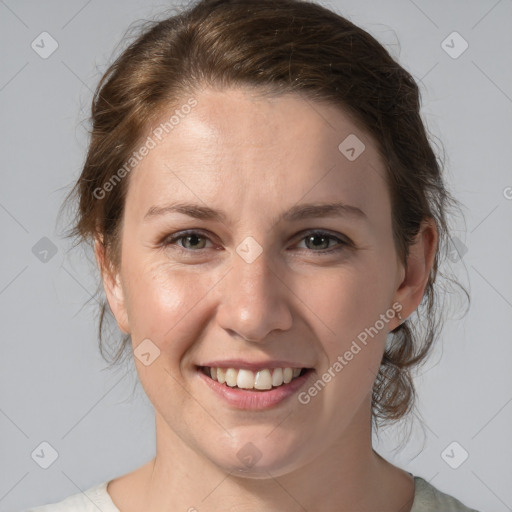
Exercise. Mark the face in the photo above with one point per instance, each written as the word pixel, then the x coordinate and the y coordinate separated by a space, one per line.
pixel 265 283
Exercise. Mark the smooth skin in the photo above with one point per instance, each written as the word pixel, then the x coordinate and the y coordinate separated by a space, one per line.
pixel 197 300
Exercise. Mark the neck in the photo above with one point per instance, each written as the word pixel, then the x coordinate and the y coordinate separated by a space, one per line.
pixel 346 476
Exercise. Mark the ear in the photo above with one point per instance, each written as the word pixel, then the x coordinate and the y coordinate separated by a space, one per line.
pixel 419 264
pixel 113 288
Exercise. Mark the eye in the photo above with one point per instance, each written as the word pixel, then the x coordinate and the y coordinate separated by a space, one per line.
pixel 316 241
pixel 193 238
pixel 321 240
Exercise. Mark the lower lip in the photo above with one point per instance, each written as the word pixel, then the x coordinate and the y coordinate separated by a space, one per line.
pixel 255 400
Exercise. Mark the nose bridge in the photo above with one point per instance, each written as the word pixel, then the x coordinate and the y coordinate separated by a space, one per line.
pixel 254 278
pixel 253 298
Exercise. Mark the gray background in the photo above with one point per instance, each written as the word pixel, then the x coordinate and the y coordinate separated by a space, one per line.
pixel 54 387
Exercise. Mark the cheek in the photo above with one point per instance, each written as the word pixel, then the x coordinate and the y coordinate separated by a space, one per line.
pixel 349 302
pixel 351 307
pixel 165 304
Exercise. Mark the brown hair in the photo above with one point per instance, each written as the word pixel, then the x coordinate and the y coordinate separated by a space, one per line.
pixel 283 46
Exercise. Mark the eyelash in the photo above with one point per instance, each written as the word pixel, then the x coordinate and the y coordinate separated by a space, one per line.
pixel 170 240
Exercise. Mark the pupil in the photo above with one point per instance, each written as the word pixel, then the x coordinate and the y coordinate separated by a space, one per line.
pixel 313 237
pixel 193 237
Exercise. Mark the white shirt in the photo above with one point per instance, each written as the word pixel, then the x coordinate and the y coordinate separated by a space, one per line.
pixel 96 499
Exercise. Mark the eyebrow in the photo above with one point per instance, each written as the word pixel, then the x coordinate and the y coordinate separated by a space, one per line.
pixel 294 214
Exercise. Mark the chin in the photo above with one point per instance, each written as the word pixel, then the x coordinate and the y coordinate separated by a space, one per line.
pixel 261 460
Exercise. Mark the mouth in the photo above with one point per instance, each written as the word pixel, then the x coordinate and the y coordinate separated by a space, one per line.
pixel 264 379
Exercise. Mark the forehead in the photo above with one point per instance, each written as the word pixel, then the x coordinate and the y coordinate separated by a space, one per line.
pixel 249 150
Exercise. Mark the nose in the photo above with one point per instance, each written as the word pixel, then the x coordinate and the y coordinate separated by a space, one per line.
pixel 254 300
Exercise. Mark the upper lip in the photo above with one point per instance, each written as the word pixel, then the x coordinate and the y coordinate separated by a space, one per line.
pixel 254 365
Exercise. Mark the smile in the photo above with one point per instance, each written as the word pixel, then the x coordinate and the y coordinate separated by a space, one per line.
pixel 261 380
pixel 261 389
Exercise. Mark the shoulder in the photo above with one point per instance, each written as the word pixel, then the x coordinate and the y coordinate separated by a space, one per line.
pixel 429 499
pixel 93 499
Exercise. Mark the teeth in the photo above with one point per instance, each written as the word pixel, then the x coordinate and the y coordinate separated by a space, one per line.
pixel 246 379
pixel 263 380
pixel 277 377
pixel 231 376
pixel 221 375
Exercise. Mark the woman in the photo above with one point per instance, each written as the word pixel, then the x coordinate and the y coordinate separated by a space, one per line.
pixel 266 213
